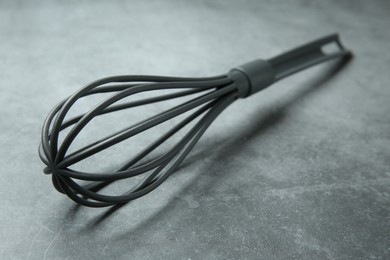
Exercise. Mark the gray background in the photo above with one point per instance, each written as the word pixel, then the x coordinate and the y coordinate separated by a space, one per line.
pixel 300 171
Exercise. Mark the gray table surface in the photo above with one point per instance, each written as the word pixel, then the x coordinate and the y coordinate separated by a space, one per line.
pixel 300 171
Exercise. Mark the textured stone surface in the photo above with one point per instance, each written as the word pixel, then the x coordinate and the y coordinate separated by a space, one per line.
pixel 300 171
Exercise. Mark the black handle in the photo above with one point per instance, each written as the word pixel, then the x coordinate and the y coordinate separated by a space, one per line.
pixel 254 76
pixel 306 56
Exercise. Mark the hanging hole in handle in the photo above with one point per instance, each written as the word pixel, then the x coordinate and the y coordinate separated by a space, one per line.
pixel 330 48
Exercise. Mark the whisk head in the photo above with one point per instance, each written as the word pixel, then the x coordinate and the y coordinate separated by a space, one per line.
pixel 208 98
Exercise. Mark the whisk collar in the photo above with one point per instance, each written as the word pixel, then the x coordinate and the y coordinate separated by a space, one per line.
pixel 252 77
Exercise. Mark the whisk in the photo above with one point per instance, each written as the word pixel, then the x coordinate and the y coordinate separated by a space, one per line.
pixel 213 95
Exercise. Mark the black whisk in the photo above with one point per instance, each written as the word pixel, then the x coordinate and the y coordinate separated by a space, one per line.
pixel 213 95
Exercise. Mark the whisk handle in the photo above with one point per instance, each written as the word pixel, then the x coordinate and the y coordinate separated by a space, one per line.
pixel 254 76
pixel 308 55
